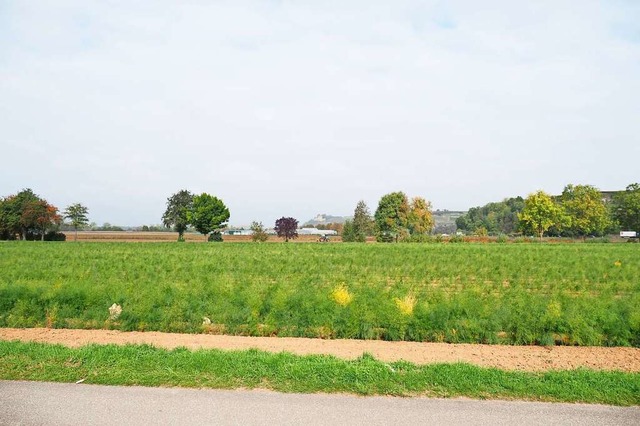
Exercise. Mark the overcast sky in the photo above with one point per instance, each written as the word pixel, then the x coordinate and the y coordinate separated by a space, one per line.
pixel 305 107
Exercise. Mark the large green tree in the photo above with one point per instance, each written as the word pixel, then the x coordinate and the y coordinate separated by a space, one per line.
pixel 588 212
pixel 208 214
pixel 391 217
pixel 626 208
pixel 540 213
pixel 6 231
pixel 77 214
pixel 177 213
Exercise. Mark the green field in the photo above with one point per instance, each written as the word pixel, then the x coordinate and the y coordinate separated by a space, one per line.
pixel 583 294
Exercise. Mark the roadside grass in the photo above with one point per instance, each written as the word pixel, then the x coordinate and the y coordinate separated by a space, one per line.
pixel 572 294
pixel 149 366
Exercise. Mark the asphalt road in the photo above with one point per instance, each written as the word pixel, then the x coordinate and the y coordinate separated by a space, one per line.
pixel 36 403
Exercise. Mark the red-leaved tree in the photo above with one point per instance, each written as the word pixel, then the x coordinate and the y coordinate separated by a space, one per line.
pixel 41 216
pixel 287 228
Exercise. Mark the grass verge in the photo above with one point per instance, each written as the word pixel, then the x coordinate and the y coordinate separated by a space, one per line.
pixel 149 366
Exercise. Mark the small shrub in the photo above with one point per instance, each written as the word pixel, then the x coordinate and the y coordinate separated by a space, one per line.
pixel 481 231
pixel 418 238
pixel 456 239
pixel 598 240
pixel 406 304
pixel 215 237
pixel 384 237
pixel 49 236
pixel 258 234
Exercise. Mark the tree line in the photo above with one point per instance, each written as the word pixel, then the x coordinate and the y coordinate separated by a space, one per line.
pixel 209 216
pixel 578 212
pixel 397 218
pixel 27 216
pixel 205 212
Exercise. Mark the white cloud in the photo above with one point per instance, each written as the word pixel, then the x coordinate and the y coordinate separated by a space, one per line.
pixel 295 109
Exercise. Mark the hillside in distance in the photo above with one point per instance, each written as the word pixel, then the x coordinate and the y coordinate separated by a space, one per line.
pixel 445 220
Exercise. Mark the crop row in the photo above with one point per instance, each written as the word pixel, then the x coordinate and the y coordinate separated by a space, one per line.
pixel 514 294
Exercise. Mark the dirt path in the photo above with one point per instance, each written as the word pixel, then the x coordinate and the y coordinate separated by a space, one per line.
pixel 526 358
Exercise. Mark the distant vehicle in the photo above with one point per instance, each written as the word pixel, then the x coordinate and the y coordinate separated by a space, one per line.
pixel 628 234
pixel 323 239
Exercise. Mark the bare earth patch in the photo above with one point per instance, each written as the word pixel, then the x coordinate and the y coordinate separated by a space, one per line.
pixel 524 358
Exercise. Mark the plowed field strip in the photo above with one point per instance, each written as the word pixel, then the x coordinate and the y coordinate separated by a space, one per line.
pixel 523 358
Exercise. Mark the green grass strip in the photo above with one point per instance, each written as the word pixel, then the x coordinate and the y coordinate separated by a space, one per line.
pixel 149 366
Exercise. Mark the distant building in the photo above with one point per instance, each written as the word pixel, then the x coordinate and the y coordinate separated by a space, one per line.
pixel 324 219
pixel 237 231
pixel 316 231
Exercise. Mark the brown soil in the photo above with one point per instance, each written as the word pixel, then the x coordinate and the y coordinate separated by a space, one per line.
pixel 525 358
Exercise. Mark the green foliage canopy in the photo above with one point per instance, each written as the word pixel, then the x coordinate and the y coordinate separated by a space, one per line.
pixel 495 218
pixel 356 230
pixel 77 213
pixel 177 213
pixel 348 234
pixel 391 217
pixel 626 208
pixel 588 212
pixel 208 214
pixel 541 212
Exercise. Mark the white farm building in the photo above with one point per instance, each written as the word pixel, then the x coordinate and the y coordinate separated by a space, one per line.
pixel 316 231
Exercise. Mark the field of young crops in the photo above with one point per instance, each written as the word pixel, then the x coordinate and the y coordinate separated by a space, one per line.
pixel 584 294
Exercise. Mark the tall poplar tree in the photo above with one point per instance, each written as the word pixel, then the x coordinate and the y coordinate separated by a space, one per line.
pixel 361 225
